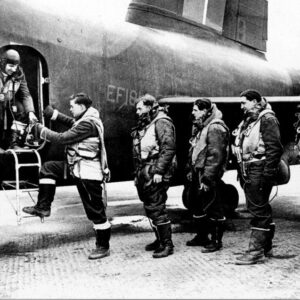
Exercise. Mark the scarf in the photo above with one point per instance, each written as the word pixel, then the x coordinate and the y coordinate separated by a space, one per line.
pixel 199 124
pixel 252 115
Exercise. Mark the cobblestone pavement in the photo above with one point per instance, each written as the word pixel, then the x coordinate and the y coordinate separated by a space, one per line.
pixel 49 260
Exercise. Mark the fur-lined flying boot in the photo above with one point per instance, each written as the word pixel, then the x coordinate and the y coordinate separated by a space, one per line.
pixel 268 250
pixel 102 244
pixel 216 230
pixel 166 247
pixel 202 230
pixel 45 197
pixel 257 244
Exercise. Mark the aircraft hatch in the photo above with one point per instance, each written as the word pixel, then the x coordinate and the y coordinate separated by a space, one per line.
pixel 36 72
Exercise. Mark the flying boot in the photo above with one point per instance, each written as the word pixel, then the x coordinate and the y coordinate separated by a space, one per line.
pixel 268 250
pixel 154 245
pixel 166 246
pixel 257 245
pixel 202 231
pixel 45 198
pixel 17 133
pixel 216 230
pixel 102 242
pixel 15 141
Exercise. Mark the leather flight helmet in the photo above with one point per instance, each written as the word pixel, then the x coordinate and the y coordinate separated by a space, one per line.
pixel 10 56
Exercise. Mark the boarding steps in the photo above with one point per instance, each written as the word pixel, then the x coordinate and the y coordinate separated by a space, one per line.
pixel 22 186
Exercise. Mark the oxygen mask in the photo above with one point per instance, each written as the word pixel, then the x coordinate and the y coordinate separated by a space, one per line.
pixel 143 120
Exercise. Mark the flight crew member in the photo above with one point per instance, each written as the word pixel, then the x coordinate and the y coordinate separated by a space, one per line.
pixel 258 149
pixel 86 162
pixel 208 155
pixel 16 103
pixel 154 148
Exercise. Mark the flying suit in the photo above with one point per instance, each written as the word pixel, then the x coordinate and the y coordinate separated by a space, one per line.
pixel 86 161
pixel 15 103
pixel 258 149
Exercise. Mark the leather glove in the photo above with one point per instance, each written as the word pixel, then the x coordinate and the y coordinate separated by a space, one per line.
pixel 48 112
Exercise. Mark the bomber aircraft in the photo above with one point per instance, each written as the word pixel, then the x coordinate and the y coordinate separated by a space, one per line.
pixel 177 50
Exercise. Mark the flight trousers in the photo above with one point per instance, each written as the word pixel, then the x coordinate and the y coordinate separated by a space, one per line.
pixel 90 191
pixel 207 203
pixel 257 192
pixel 154 197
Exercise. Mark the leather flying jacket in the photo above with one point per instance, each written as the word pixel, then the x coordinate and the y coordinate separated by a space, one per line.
pixel 209 149
pixel 155 144
pixel 84 140
pixel 16 84
pixel 264 143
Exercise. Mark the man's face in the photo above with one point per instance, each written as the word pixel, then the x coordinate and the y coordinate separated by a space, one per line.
pixel 76 109
pixel 141 108
pixel 10 69
pixel 247 105
pixel 197 113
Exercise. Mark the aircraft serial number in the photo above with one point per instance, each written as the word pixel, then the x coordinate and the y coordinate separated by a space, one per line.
pixel 121 96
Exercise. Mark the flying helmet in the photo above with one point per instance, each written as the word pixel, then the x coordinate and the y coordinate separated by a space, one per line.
pixel 148 100
pixel 10 56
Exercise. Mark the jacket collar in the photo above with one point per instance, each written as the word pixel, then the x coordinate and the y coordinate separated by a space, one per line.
pixel 90 112
pixel 200 124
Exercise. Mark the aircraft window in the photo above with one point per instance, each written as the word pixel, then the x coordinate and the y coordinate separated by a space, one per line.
pixel 207 12
pixel 215 14
pixel 194 10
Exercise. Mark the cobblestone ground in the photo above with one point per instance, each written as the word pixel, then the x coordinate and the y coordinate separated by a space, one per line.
pixel 55 265
pixel 49 260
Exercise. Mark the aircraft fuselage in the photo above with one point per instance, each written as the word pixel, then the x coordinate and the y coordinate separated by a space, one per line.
pixel 115 64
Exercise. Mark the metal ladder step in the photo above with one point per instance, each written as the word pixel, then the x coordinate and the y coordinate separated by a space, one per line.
pixel 21 186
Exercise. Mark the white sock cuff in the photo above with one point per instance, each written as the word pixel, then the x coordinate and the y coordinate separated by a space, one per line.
pixel 102 226
pixel 169 222
pixel 261 229
pixel 199 217
pixel 219 220
pixel 47 181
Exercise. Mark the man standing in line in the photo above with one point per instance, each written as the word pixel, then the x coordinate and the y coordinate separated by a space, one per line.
pixel 154 148
pixel 86 162
pixel 206 165
pixel 258 150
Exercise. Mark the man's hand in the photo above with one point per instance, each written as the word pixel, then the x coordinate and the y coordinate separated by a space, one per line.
pixel 189 176
pixel 48 112
pixel 32 117
pixel 204 187
pixel 157 178
pixel 106 174
pixel 36 130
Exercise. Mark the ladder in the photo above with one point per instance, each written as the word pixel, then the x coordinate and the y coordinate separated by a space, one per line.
pixel 22 185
